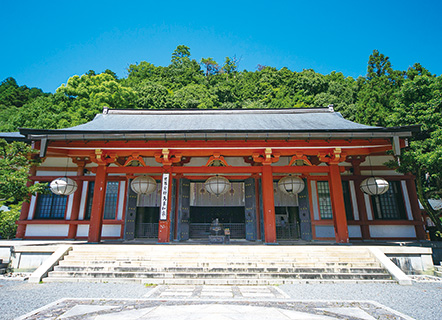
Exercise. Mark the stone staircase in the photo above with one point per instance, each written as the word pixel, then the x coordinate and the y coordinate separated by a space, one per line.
pixel 218 265
pixel 438 271
pixel 3 266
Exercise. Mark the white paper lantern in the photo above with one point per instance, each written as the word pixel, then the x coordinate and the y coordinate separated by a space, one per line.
pixel 374 186
pixel 63 186
pixel 217 185
pixel 143 185
pixel 291 185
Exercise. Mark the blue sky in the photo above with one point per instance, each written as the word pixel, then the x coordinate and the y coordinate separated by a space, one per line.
pixel 43 43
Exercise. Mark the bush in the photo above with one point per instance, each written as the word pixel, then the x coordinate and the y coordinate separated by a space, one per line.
pixel 8 227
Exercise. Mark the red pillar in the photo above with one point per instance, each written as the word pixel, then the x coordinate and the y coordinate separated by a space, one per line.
pixel 258 209
pixel 21 228
pixel 337 199
pixel 76 203
pixel 268 203
pixel 96 221
pixel 416 211
pixel 164 225
pixel 360 198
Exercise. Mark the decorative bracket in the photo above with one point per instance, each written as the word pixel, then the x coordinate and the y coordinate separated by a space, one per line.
pixel 166 158
pixel 103 158
pixel 337 156
pixel 267 158
pixel 81 161
pixel 217 160
pixel 134 157
pixel 300 158
pixel 334 157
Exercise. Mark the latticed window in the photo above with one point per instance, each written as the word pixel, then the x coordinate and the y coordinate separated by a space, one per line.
pixel 325 205
pixel 110 201
pixel 50 206
pixel 390 205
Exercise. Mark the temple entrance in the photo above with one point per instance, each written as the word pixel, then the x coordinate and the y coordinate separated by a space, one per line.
pixel 287 223
pixel 229 217
pixel 146 223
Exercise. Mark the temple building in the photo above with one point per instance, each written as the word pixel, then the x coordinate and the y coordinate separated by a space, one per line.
pixel 267 175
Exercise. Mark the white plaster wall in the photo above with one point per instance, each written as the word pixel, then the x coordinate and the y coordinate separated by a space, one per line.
pixel 354 232
pixel 151 162
pixel 407 200
pixel 380 173
pixel 376 160
pixel 83 201
pixel 32 207
pixel 47 230
pixel 69 207
pixel 354 201
pixel 60 173
pixel 392 231
pixel 325 231
pixel 197 162
pixel 283 161
pixel 111 230
pixel 236 161
pixel 121 196
pixel 314 199
pixel 82 230
pixel 368 207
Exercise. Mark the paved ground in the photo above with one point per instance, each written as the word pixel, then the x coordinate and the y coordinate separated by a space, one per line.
pixel 105 301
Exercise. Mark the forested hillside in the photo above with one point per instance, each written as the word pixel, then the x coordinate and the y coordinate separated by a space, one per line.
pixel 383 97
pixel 187 83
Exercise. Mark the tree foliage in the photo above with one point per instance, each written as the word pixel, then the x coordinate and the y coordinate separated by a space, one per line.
pixel 15 162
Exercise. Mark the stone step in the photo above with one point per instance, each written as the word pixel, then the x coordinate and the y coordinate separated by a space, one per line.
pixel 216 270
pixel 438 271
pixel 275 258
pixel 237 282
pixel 226 250
pixel 209 275
pixel 211 248
pixel 234 265
pixel 196 264
pixel 224 253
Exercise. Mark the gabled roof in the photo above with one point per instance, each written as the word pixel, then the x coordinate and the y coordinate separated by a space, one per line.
pixel 216 123
pixel 12 136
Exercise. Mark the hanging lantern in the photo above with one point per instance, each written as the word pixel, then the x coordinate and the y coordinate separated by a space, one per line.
pixel 374 186
pixel 291 185
pixel 217 185
pixel 63 186
pixel 143 185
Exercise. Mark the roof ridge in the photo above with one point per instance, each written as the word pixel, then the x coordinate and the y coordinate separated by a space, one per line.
pixel 215 111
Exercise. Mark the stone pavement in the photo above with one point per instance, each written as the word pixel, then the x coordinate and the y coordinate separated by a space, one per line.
pixel 212 303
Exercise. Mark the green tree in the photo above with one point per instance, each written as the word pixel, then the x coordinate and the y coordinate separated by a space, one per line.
pixel 16 159
pixel 193 96
pixel 419 101
pixel 90 93
pixel 230 65
pixel 8 219
pixel 152 95
pixel 210 65
pixel 13 95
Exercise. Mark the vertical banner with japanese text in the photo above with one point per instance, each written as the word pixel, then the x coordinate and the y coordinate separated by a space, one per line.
pixel 164 196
